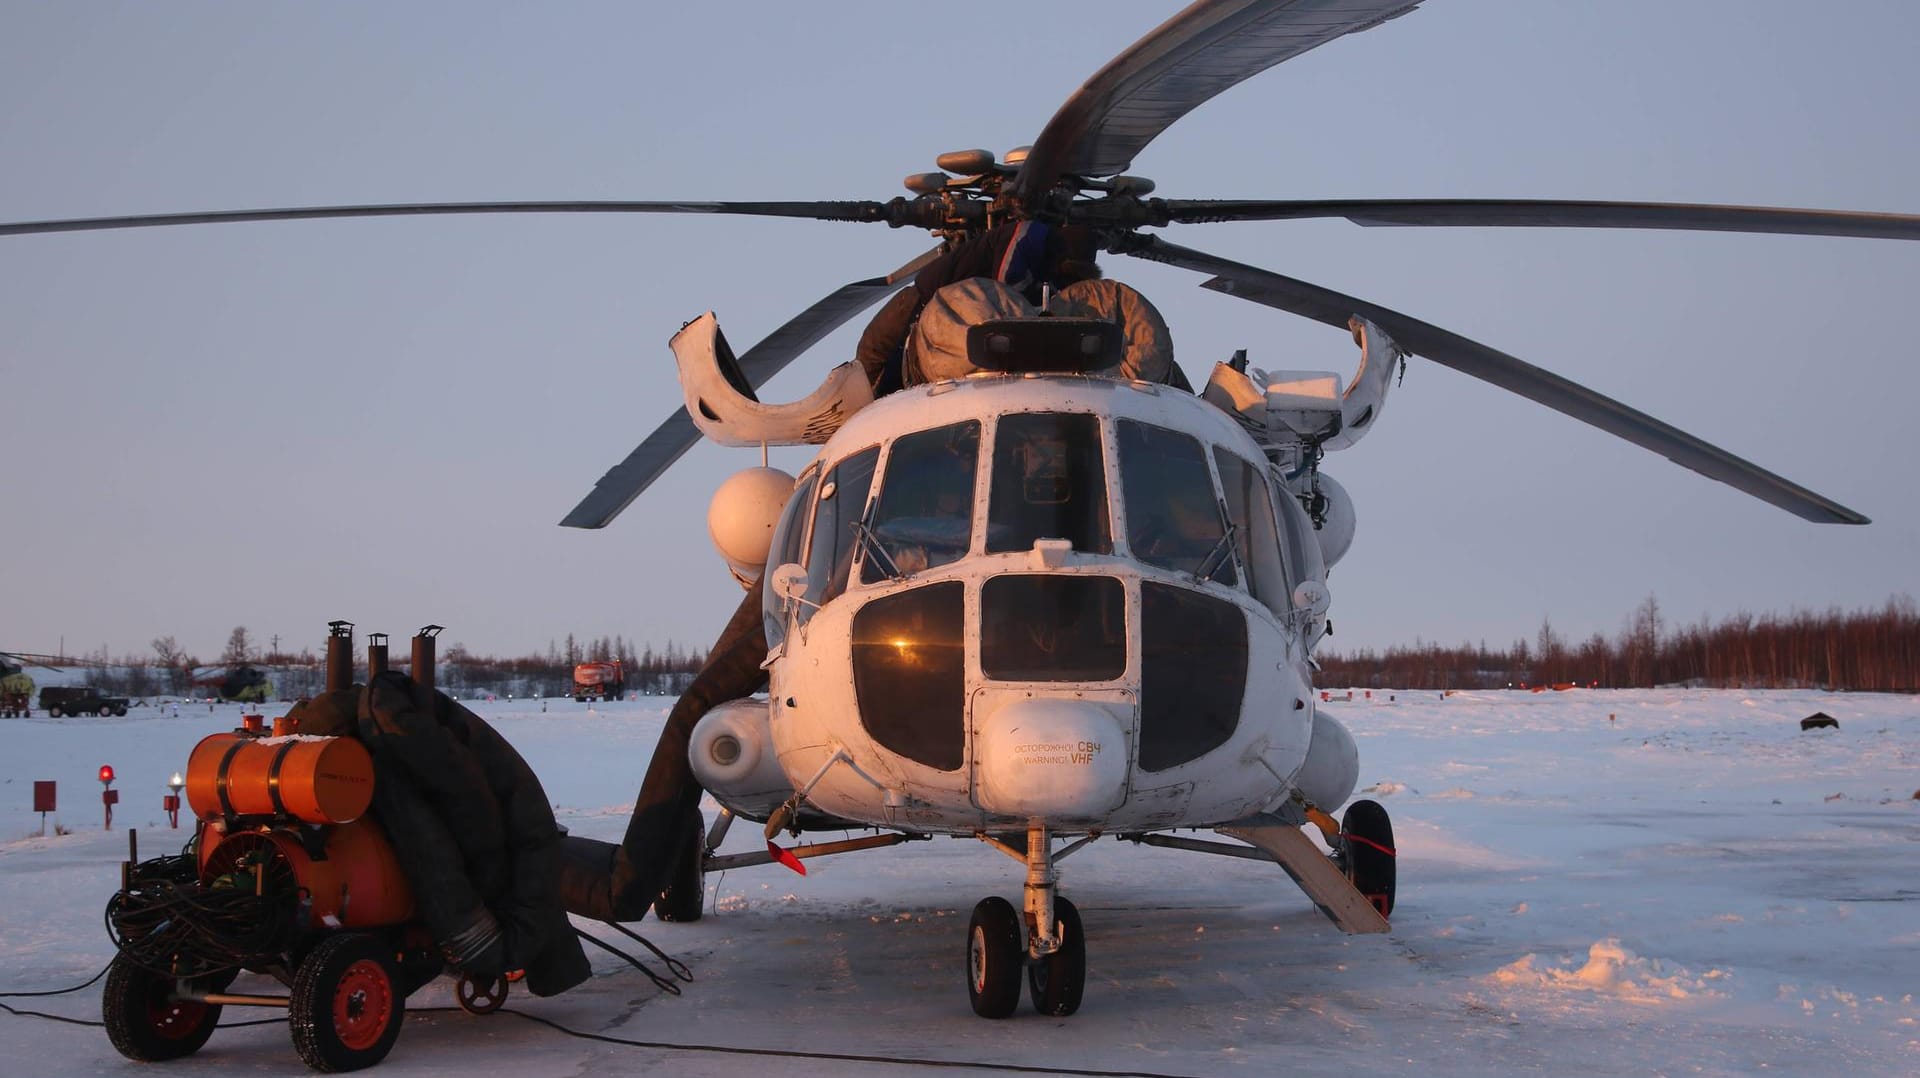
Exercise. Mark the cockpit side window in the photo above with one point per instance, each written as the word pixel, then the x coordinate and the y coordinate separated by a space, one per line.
pixel 836 520
pixel 924 517
pixel 1173 518
pixel 1049 482
pixel 789 539
pixel 1250 508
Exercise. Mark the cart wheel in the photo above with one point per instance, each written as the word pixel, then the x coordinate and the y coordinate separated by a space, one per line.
pixel 477 998
pixel 685 896
pixel 144 1020
pixel 346 1008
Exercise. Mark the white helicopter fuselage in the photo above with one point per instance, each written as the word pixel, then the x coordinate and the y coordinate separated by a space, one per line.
pixel 1075 653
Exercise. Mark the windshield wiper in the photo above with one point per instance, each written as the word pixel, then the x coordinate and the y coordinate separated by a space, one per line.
pixel 876 551
pixel 1216 557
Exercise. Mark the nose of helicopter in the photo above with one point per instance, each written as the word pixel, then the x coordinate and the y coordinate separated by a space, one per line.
pixel 1060 759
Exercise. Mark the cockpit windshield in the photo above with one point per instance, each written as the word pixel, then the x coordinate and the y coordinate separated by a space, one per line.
pixel 924 518
pixel 1173 518
pixel 1049 482
pixel 1250 508
pixel 836 524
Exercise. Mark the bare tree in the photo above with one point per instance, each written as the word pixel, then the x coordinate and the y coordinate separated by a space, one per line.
pixel 171 658
pixel 239 647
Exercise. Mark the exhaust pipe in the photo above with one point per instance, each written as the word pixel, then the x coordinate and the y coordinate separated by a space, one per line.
pixel 423 656
pixel 339 655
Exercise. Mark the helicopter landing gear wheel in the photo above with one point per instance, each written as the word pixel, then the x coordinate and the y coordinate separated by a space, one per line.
pixel 995 956
pixel 1056 981
pixel 347 1008
pixel 145 1021
pixel 685 896
pixel 1370 857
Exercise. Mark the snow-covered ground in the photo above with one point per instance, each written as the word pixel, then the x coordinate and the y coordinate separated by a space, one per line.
pixel 1667 882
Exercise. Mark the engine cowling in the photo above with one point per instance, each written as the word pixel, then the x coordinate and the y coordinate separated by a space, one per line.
pixel 732 755
pixel 1332 767
pixel 1337 522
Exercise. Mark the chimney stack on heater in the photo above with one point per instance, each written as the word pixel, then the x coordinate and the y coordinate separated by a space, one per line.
pixel 339 655
pixel 423 656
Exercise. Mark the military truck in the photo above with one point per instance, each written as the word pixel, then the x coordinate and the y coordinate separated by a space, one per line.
pixel 16 695
pixel 58 700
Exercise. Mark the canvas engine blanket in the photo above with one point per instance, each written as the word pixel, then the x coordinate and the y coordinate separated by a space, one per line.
pixel 471 824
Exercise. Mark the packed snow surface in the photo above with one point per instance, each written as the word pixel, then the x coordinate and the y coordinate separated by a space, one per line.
pixel 1591 882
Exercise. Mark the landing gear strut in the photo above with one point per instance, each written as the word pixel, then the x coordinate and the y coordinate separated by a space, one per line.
pixel 1046 939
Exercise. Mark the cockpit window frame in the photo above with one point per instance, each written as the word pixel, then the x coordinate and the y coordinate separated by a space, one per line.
pixel 1256 584
pixel 872 571
pixel 1234 576
pixel 1105 544
pixel 797 514
pixel 823 596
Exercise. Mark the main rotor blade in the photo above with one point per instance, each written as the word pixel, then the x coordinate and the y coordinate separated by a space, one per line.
pixel 820 211
pixel 1543 213
pixel 670 441
pixel 1491 365
pixel 1204 50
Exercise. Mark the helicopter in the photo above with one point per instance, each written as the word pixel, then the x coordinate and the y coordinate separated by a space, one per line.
pixel 1024 757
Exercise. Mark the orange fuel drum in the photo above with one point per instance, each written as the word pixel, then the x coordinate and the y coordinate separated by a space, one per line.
pixel 359 884
pixel 317 780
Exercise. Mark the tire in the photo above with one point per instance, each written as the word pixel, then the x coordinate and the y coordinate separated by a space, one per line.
pixel 347 1007
pixel 1370 853
pixel 995 955
pixel 684 898
pixel 53 713
pixel 120 712
pixel 145 1022
pixel 105 712
pixel 1057 981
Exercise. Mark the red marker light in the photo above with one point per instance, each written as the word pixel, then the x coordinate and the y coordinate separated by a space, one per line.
pixel 106 774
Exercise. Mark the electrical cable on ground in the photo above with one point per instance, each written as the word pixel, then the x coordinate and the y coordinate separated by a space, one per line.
pixel 839 1057
pixel 662 1046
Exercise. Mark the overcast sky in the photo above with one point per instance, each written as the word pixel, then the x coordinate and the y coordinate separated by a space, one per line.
pixel 381 420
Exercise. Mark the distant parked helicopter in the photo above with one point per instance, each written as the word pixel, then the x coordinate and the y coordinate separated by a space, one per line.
pixel 1033 600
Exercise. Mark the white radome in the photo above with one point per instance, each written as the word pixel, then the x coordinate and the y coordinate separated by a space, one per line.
pixel 741 517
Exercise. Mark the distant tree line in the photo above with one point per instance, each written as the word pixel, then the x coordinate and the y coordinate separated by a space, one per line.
pixel 1875 649
pixel 171 671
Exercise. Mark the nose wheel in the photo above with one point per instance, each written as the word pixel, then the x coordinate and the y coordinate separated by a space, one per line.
pixel 996 952
pixel 1056 981
pixel 1046 941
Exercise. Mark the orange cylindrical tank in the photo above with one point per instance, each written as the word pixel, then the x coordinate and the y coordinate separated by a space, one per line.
pixel 359 883
pixel 318 780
